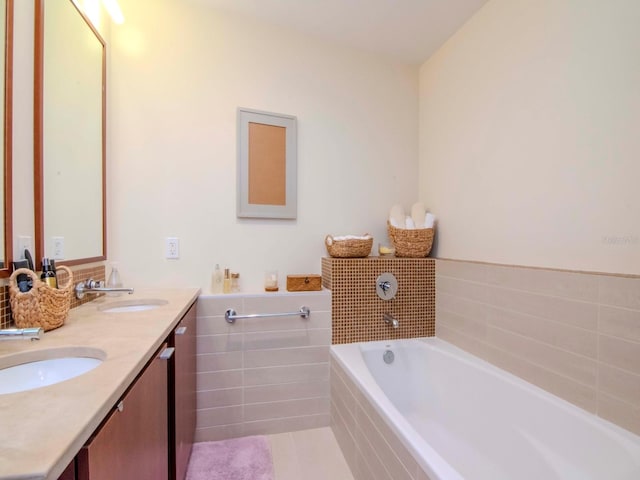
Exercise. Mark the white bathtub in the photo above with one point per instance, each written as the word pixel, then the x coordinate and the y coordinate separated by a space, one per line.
pixel 462 418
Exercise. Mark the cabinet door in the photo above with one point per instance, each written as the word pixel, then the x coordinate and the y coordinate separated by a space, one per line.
pixel 185 391
pixel 133 442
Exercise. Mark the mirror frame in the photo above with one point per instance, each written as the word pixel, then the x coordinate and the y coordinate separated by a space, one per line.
pixel 38 138
pixel 8 141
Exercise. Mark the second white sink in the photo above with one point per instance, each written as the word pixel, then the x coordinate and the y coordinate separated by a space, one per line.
pixel 132 305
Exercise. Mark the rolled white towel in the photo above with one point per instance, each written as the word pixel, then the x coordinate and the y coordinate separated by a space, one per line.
pixel 352 237
pixel 409 224
pixel 429 220
pixel 418 212
pixel 396 216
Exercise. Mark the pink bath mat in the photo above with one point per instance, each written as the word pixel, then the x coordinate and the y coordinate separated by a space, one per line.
pixel 246 458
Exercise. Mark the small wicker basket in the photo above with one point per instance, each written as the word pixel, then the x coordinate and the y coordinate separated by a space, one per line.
pixel 349 248
pixel 42 306
pixel 411 243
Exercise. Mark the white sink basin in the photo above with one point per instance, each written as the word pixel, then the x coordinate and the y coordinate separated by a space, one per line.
pixel 37 369
pixel 132 305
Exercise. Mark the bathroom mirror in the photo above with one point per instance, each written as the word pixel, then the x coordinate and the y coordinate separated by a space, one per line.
pixel 69 136
pixel 6 79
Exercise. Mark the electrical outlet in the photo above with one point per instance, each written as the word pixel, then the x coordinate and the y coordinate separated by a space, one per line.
pixel 58 248
pixel 24 243
pixel 172 247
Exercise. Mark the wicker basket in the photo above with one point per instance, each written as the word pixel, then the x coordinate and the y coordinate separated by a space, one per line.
pixel 411 243
pixel 351 248
pixel 42 306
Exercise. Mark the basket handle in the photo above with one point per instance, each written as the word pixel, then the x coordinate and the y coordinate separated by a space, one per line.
pixel 328 241
pixel 13 281
pixel 69 284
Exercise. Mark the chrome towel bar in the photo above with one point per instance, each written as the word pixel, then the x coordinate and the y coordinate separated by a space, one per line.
pixel 231 316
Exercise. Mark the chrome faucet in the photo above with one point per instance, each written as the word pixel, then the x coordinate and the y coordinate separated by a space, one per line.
pixel 391 320
pixel 97 286
pixel 24 333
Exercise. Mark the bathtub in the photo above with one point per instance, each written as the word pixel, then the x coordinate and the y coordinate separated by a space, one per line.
pixel 462 418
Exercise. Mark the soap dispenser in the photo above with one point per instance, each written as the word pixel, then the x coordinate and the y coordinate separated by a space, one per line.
pixel 217 283
pixel 114 280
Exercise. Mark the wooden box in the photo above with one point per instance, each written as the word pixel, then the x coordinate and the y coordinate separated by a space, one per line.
pixel 304 283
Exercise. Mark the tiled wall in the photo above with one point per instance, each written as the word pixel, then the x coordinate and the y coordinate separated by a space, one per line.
pixel 357 310
pixel 262 376
pixel 97 272
pixel 576 335
pixel 370 447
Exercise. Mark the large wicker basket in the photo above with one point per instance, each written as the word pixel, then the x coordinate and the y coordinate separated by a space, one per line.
pixel 411 243
pixel 42 306
pixel 348 248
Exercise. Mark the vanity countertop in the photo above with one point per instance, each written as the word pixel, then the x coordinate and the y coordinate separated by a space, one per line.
pixel 41 430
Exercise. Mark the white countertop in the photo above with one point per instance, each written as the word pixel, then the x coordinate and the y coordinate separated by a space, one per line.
pixel 41 430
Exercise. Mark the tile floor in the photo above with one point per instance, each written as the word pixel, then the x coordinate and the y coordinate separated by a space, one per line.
pixel 308 454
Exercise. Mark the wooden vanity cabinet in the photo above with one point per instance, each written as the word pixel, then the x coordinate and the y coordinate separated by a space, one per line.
pixel 132 441
pixel 182 393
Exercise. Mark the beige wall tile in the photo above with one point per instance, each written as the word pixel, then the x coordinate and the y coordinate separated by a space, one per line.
pixel 213 362
pixel 467 308
pixel 471 327
pixel 572 312
pixel 225 397
pixel 220 432
pixel 475 272
pixel 620 353
pixel 218 343
pixel 315 320
pixel 214 326
pixel 576 367
pixel 286 391
pixel 620 322
pixel 571 285
pixel 343 434
pixel 223 379
pixel 211 417
pixel 291 424
pixel 291 373
pixel 370 457
pixel 288 302
pixel 618 383
pixel 289 408
pixel 619 291
pixel 286 356
pixel 619 412
pixel 467 290
pixel 287 339
pixel 216 305
pixel 392 463
pixel 566 337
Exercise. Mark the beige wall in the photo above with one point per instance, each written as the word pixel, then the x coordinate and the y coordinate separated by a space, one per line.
pixel 178 72
pixel 528 136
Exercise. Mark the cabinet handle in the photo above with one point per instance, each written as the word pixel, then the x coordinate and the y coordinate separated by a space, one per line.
pixel 167 353
pixel 120 406
pixel 181 330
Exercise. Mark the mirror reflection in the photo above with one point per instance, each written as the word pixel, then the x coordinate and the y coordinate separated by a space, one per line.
pixel 70 150
pixel 6 34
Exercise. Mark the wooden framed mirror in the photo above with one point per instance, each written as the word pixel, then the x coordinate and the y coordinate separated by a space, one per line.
pixel 69 135
pixel 6 236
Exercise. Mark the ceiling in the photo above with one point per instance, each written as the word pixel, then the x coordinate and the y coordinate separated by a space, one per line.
pixel 407 30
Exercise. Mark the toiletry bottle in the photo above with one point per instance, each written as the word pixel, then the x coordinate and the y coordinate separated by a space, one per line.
pixel 226 284
pixel 235 283
pixel 217 279
pixel 48 276
pixel 114 280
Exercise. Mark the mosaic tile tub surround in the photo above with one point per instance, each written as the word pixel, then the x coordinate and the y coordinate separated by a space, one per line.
pixel 357 311
pixel 80 274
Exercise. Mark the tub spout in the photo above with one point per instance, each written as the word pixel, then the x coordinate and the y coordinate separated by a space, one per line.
pixel 391 320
